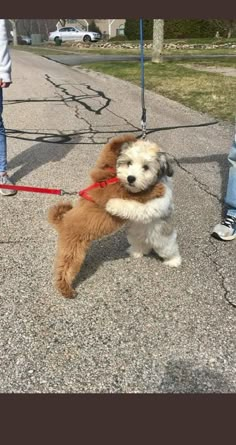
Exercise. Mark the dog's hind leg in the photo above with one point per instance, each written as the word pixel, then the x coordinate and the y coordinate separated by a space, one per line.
pixel 138 245
pixel 138 251
pixel 68 264
pixel 167 248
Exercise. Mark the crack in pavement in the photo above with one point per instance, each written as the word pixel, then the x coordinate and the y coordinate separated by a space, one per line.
pixel 201 185
pixel 98 94
pixel 218 271
pixel 90 132
pixel 78 99
pixel 124 119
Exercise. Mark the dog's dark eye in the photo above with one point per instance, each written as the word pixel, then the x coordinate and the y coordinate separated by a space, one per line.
pixel 145 167
pixel 129 163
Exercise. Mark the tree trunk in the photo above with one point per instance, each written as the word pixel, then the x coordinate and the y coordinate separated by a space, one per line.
pixel 14 29
pixel 46 28
pixel 38 26
pixel 158 39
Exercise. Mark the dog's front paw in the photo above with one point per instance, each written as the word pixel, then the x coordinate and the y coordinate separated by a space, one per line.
pixel 173 262
pixel 134 253
pixel 113 206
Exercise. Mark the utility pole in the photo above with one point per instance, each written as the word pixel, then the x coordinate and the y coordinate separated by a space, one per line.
pixel 158 40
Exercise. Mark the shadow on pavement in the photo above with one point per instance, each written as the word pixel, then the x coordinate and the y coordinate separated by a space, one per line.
pixel 182 376
pixel 205 124
pixel 69 138
pixel 107 249
pixel 36 156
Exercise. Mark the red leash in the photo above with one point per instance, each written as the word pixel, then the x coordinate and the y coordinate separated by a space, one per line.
pixel 82 193
pixel 23 188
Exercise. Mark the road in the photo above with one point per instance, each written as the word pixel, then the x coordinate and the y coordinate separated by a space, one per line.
pixel 135 326
pixel 78 59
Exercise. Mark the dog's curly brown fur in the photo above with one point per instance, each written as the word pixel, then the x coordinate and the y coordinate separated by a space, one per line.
pixel 78 226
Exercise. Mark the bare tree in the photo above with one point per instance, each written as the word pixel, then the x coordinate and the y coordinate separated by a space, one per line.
pixel 26 26
pixel 230 26
pixel 225 27
pixel 14 29
pixel 61 23
pixel 158 39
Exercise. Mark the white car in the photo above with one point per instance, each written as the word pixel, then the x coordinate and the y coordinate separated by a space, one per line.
pixel 71 33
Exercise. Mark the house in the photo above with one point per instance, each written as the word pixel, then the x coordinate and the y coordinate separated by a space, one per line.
pixel 111 27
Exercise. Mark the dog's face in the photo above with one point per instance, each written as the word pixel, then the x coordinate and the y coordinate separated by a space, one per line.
pixel 141 165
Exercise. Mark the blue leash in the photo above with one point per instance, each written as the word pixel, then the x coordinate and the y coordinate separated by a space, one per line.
pixel 143 118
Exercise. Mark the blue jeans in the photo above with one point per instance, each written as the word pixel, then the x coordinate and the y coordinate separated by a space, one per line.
pixel 230 198
pixel 3 142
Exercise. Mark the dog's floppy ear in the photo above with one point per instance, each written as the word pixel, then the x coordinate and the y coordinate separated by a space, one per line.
pixel 166 168
pixel 125 145
pixel 119 143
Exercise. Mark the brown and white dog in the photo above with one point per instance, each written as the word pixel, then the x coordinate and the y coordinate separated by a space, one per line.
pixel 89 220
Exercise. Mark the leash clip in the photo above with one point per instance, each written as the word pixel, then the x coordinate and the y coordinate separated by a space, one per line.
pixel 144 127
pixel 63 192
pixel 143 123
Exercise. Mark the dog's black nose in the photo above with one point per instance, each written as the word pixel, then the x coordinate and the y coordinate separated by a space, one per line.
pixel 131 179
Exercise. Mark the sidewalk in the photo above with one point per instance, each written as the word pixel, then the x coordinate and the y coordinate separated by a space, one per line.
pixel 135 325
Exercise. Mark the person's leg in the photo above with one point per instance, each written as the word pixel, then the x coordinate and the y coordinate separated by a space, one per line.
pixel 230 198
pixel 3 154
pixel 3 144
pixel 226 231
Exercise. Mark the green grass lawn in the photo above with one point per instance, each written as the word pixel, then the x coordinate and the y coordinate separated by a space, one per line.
pixel 200 51
pixel 205 92
pixel 229 62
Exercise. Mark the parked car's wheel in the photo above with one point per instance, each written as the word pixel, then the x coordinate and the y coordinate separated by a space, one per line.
pixel 87 38
pixel 58 41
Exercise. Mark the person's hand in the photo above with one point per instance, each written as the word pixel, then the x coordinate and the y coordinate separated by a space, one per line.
pixel 4 84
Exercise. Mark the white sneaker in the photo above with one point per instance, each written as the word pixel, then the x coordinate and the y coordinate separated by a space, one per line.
pixel 4 179
pixel 225 231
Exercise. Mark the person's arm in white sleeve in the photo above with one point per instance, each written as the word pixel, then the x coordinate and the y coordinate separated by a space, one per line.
pixel 5 59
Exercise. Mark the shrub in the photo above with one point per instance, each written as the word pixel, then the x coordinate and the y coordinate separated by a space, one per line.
pixel 93 27
pixel 132 31
pixel 183 29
